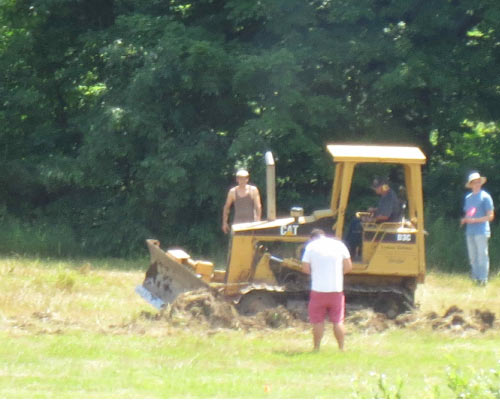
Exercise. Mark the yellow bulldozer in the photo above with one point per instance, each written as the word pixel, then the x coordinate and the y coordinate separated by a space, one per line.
pixel 264 269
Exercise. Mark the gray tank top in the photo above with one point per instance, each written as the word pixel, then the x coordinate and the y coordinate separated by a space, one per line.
pixel 243 208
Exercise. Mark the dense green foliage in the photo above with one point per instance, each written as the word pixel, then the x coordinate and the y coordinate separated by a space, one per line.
pixel 125 119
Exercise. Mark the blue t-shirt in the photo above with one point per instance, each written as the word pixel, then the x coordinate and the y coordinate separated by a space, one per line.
pixel 389 206
pixel 477 206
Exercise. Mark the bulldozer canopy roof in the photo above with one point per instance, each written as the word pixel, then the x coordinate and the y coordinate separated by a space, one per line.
pixel 379 154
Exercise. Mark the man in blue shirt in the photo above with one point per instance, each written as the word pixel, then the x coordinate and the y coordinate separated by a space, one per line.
pixel 389 207
pixel 478 209
pixel 388 210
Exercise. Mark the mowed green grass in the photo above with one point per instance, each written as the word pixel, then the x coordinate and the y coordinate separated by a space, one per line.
pixel 77 330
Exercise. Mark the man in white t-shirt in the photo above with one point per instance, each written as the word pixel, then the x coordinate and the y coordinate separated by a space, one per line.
pixel 327 260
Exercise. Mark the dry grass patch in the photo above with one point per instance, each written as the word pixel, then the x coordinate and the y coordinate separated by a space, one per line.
pixel 46 296
pixel 66 295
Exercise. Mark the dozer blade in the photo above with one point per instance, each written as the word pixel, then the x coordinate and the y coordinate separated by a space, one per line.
pixel 166 277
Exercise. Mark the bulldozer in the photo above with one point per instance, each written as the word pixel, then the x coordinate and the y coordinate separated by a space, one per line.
pixel 264 258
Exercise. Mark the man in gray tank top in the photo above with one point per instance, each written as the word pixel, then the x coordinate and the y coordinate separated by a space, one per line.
pixel 246 200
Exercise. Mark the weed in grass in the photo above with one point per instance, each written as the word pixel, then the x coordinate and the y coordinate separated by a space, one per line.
pixel 388 390
pixel 383 388
pixel 471 384
pixel 65 281
pixel 464 383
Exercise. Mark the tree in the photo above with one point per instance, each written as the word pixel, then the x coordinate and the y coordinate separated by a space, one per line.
pixel 126 119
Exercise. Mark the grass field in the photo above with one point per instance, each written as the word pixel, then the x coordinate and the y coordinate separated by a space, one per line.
pixel 73 329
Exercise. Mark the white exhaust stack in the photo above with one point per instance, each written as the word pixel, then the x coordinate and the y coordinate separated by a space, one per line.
pixel 270 186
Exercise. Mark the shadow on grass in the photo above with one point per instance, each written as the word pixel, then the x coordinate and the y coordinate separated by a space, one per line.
pixel 293 353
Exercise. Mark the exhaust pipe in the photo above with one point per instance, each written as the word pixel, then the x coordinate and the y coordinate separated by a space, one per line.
pixel 270 186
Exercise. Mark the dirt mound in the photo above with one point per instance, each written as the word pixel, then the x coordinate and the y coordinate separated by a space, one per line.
pixel 368 321
pixel 206 308
pixel 201 306
pixel 454 319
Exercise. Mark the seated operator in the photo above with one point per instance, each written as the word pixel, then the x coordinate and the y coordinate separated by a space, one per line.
pixel 389 206
pixel 388 210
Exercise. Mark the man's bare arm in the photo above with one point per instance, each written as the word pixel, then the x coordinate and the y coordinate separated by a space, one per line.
pixel 490 216
pixel 381 218
pixel 225 211
pixel 347 265
pixel 306 268
pixel 257 205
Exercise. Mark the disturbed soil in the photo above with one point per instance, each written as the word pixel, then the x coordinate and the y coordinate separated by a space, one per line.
pixel 206 311
pixel 205 308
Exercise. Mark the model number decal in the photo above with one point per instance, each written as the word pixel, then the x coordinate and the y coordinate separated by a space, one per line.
pixel 289 230
pixel 403 237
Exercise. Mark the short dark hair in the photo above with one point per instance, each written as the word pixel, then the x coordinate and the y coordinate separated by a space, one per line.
pixel 315 233
pixel 379 181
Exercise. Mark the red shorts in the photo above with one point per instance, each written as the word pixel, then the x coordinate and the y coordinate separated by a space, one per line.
pixel 323 303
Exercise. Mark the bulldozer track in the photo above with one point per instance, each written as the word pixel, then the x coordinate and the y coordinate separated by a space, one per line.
pixel 372 297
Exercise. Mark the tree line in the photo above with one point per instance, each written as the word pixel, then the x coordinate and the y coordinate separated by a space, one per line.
pixel 126 119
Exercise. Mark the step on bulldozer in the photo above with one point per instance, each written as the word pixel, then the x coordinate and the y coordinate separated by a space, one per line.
pixel 264 267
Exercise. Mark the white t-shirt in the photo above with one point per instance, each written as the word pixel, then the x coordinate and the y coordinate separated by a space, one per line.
pixel 326 257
